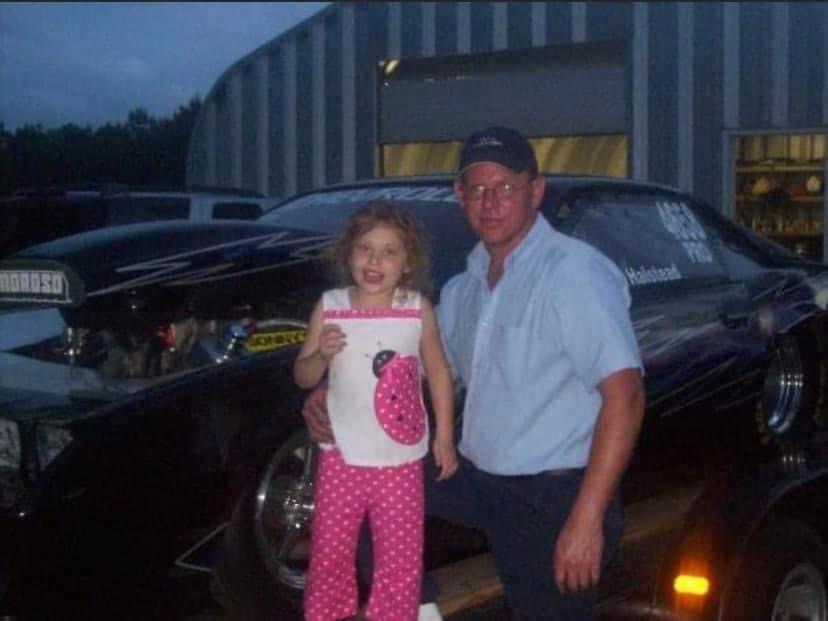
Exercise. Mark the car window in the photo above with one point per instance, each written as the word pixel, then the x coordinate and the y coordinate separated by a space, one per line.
pixel 652 238
pixel 236 211
pixel 127 210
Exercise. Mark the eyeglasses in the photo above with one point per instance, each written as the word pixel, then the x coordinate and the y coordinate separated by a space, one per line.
pixel 502 190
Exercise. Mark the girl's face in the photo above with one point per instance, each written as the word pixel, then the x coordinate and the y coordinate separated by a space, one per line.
pixel 379 261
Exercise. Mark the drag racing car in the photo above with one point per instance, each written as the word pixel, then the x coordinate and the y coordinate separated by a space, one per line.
pixel 149 420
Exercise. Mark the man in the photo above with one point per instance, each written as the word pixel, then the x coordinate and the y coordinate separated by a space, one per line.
pixel 538 331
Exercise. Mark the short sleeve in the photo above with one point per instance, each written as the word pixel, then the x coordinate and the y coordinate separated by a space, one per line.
pixel 597 335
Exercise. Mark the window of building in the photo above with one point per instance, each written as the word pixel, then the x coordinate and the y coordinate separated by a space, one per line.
pixel 599 155
pixel 779 189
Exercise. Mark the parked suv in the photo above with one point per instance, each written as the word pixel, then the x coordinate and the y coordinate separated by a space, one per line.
pixel 33 216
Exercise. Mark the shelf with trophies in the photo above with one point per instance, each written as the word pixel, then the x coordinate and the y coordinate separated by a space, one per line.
pixel 780 189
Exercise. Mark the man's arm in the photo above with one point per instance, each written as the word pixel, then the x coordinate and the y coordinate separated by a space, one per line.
pixel 577 562
pixel 442 393
pixel 315 413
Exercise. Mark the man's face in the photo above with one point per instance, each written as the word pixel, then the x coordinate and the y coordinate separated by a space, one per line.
pixel 500 204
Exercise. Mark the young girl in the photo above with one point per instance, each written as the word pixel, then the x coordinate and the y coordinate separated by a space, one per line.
pixel 372 336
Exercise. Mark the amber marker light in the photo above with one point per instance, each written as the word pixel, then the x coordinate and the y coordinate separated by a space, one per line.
pixel 686 584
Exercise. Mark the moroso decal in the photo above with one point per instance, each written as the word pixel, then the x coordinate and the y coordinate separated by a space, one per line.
pixel 39 282
pixel 265 341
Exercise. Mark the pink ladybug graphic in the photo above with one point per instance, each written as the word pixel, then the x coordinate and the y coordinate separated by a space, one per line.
pixel 397 400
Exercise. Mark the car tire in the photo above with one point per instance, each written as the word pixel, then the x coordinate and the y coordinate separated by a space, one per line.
pixel 793 392
pixel 785 576
pixel 263 559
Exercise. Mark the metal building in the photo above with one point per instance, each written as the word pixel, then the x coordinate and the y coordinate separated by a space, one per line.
pixel 727 100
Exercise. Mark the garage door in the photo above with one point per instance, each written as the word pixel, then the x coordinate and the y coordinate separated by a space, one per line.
pixel 565 90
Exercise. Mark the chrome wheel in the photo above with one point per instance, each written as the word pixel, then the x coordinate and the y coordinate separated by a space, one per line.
pixel 283 510
pixel 801 596
pixel 782 393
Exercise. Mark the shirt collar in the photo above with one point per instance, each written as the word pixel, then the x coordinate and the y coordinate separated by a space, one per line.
pixel 478 259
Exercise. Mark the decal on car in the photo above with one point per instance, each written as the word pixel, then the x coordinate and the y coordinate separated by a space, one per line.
pixel 39 282
pixel 267 341
pixel 396 193
pixel 680 221
pixel 652 274
pixel 175 270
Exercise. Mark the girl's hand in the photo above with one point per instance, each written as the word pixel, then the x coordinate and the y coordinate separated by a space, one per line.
pixel 331 341
pixel 445 456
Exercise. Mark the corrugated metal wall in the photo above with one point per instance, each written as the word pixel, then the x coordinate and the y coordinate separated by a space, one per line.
pixel 300 111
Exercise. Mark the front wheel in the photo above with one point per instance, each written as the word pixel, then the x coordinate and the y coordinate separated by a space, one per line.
pixel 266 548
pixel 784 577
pixel 283 510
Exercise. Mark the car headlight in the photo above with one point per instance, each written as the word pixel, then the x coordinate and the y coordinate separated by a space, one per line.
pixel 51 440
pixel 10 452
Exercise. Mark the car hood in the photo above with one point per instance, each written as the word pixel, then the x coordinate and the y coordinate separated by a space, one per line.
pixel 164 271
pixel 40 406
pixel 36 389
pixel 45 390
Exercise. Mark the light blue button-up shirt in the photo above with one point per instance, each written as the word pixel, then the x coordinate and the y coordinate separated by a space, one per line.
pixel 532 351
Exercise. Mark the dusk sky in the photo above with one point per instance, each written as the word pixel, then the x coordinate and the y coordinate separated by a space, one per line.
pixel 91 63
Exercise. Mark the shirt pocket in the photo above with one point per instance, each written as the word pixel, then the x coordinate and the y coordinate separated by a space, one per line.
pixel 524 345
pixel 510 354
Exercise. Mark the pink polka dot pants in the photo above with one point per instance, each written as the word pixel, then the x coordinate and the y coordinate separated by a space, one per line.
pixel 393 499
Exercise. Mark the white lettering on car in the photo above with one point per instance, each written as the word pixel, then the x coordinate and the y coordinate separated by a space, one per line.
pixel 652 274
pixel 680 221
pixel 33 285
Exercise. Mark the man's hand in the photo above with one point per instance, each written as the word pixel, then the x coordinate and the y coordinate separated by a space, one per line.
pixel 445 456
pixel 578 553
pixel 580 544
pixel 315 413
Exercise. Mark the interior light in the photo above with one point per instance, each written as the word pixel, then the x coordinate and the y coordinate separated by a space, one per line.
pixel 686 584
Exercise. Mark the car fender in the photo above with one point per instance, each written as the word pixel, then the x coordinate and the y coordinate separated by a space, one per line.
pixel 722 525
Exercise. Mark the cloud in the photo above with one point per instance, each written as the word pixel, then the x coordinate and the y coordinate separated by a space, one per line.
pixel 91 63
pixel 134 68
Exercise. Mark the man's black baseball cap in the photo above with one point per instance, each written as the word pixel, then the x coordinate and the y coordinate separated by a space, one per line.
pixel 499 145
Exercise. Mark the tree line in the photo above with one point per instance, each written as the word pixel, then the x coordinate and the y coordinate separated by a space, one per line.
pixel 142 151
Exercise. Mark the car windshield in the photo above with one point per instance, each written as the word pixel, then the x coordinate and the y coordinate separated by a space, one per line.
pixel 434 205
pixel 327 211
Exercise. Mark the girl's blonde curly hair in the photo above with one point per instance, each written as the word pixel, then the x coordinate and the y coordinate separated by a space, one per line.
pixel 384 213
